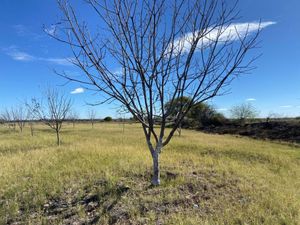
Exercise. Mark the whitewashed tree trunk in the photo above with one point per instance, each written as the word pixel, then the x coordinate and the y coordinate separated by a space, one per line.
pixel 155 152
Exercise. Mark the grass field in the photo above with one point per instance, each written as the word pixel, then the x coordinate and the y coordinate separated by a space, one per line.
pixel 101 176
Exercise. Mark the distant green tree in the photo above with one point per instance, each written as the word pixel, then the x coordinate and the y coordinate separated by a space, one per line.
pixel 107 119
pixel 200 114
pixel 176 106
pixel 205 115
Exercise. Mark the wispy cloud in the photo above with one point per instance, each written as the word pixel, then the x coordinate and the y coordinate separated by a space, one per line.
pixel 18 55
pixel 286 106
pixel 77 91
pixel 20 29
pixel 222 109
pixel 58 61
pixel 250 99
pixel 23 31
pixel 232 32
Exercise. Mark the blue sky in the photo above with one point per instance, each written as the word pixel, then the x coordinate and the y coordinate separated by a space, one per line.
pixel 28 57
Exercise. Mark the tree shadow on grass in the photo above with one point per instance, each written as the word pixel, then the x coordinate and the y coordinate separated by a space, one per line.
pixel 204 193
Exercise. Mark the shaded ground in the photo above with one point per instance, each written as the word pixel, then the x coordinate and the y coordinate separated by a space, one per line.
pixel 133 201
pixel 282 131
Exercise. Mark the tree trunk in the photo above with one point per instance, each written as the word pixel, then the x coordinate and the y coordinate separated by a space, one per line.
pixel 31 129
pixel 156 171
pixel 57 138
pixel 179 129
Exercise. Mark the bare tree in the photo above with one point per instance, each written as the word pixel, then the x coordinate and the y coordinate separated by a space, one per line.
pixel 7 118
pixel 2 121
pixel 30 118
pixel 52 111
pixel 243 112
pixel 121 112
pixel 19 116
pixel 73 117
pixel 273 116
pixel 152 52
pixel 92 116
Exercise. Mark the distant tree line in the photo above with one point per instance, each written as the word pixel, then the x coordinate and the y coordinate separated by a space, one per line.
pixel 15 117
pixel 53 109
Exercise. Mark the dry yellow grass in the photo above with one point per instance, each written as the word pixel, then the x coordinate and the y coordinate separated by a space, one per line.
pixel 218 179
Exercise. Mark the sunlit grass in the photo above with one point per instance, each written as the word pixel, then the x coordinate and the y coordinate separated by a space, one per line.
pixel 34 170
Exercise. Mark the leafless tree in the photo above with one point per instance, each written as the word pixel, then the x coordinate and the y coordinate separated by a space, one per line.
pixel 19 115
pixel 148 53
pixel 73 117
pixel 52 110
pixel 243 112
pixel 121 112
pixel 273 116
pixel 92 116
pixel 7 118
pixel 30 118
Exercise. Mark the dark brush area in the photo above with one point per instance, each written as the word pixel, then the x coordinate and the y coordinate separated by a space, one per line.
pixel 273 130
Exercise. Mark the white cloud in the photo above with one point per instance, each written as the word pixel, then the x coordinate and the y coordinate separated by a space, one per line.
pixel 23 30
pixel 51 30
pixel 250 99
pixel 286 106
pixel 222 109
pixel 118 71
pixel 232 32
pixel 58 61
pixel 77 91
pixel 18 55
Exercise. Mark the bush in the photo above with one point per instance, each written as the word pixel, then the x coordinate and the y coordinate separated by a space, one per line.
pixel 200 115
pixel 108 119
pixel 205 115
pixel 218 119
